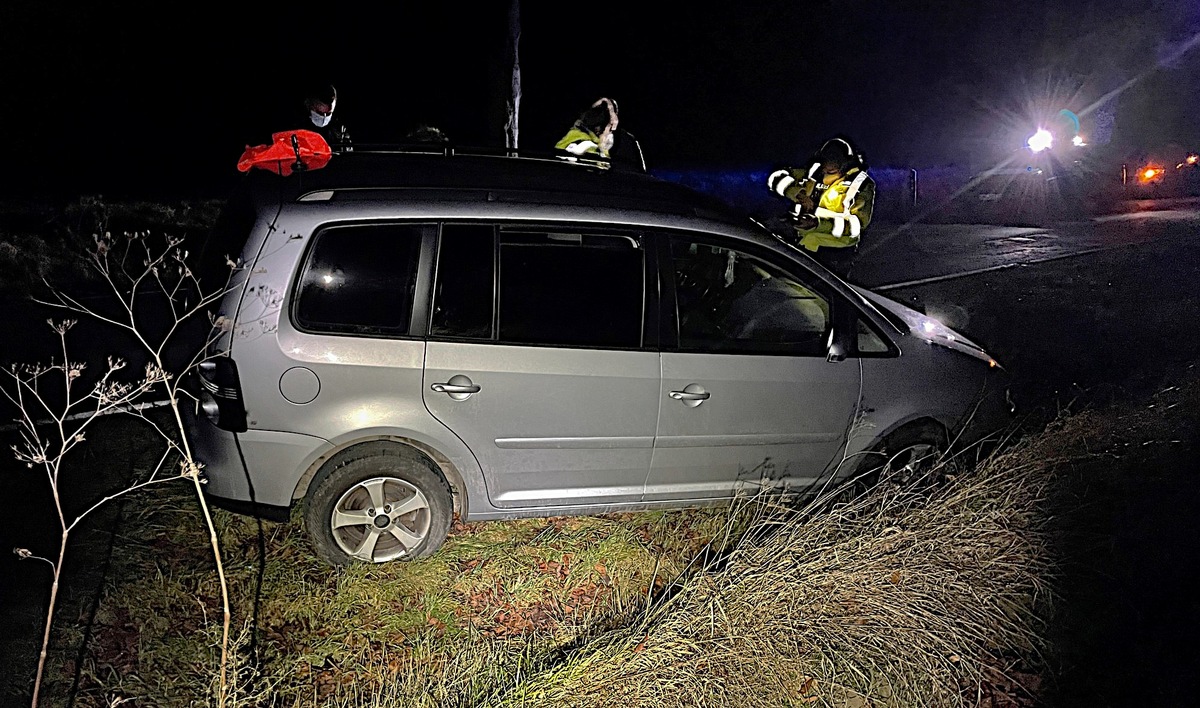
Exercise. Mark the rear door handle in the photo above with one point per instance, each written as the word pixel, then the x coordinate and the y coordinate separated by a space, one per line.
pixel 458 387
pixel 455 388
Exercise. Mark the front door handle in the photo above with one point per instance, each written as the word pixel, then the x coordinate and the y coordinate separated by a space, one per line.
pixel 459 387
pixel 691 396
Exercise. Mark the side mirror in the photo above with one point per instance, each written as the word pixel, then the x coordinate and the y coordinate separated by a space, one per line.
pixel 836 352
pixel 842 336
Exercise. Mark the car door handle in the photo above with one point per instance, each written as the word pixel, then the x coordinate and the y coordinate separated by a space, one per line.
pixel 455 388
pixel 690 396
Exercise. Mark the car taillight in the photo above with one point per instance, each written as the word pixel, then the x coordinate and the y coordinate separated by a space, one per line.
pixel 221 394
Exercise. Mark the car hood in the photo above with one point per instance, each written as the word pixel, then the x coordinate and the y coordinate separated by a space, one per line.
pixel 925 327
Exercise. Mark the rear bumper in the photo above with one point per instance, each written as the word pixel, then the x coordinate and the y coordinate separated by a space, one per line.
pixel 262 511
pixel 258 468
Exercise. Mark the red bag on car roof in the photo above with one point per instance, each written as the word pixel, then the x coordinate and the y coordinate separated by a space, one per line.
pixel 287 150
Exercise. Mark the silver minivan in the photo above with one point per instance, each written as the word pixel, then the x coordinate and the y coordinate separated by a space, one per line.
pixel 415 336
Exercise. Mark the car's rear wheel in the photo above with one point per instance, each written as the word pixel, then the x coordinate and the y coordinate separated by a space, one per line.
pixel 390 504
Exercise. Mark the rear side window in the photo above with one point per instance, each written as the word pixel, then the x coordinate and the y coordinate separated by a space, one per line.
pixel 551 287
pixel 571 289
pixel 359 280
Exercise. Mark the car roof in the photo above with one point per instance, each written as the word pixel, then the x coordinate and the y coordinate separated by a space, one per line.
pixel 446 173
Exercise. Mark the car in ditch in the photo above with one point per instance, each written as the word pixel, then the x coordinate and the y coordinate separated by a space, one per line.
pixel 410 336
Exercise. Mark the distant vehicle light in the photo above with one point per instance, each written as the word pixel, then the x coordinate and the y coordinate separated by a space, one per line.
pixel 1192 158
pixel 1041 140
pixel 1149 173
pixel 1078 141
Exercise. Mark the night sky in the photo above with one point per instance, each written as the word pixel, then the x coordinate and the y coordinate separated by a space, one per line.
pixel 154 96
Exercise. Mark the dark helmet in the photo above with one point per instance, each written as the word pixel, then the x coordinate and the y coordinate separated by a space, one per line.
pixel 840 152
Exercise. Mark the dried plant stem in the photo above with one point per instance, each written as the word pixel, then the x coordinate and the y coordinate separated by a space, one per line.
pixel 164 273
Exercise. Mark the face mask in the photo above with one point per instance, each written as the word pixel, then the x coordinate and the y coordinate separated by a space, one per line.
pixel 320 120
pixel 606 142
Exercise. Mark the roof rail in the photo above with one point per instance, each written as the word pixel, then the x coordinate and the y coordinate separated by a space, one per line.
pixel 451 150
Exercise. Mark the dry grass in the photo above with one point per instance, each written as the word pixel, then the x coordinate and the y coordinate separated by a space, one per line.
pixel 897 598
pixel 497 601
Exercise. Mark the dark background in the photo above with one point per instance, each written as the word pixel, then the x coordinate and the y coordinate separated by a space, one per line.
pixel 138 97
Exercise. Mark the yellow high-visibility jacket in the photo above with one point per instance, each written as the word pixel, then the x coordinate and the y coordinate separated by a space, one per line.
pixel 581 141
pixel 843 209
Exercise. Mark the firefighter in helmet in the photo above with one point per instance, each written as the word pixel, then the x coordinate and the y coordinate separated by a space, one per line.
pixel 834 197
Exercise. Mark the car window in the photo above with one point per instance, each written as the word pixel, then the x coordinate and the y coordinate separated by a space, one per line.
pixel 870 341
pixel 731 301
pixel 570 289
pixel 464 291
pixel 359 279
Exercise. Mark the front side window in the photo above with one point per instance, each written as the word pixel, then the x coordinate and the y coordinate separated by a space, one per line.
pixel 870 341
pixel 565 288
pixel 734 302
pixel 359 280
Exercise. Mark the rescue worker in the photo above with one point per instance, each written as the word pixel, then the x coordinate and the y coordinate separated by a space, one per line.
pixel 593 132
pixel 320 102
pixel 834 197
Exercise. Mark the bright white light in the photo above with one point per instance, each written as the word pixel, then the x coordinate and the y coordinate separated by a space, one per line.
pixel 327 278
pixel 929 326
pixel 1077 141
pixel 1040 140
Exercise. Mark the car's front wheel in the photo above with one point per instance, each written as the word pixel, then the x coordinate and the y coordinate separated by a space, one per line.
pixel 389 504
pixel 911 456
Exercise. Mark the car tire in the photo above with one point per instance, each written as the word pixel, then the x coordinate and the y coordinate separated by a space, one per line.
pixel 389 504
pixel 914 455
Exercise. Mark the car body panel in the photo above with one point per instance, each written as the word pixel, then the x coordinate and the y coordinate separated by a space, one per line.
pixel 551 425
pixel 769 420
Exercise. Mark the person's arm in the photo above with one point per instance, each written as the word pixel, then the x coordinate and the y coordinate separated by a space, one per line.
pixel 794 184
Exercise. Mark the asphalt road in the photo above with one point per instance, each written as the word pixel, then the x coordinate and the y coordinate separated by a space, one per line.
pixel 895 256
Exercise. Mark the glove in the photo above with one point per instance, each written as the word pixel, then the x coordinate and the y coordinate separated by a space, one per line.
pixel 805 222
pixel 779 180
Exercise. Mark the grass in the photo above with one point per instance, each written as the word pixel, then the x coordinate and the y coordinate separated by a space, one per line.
pixel 896 598
pixel 515 591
